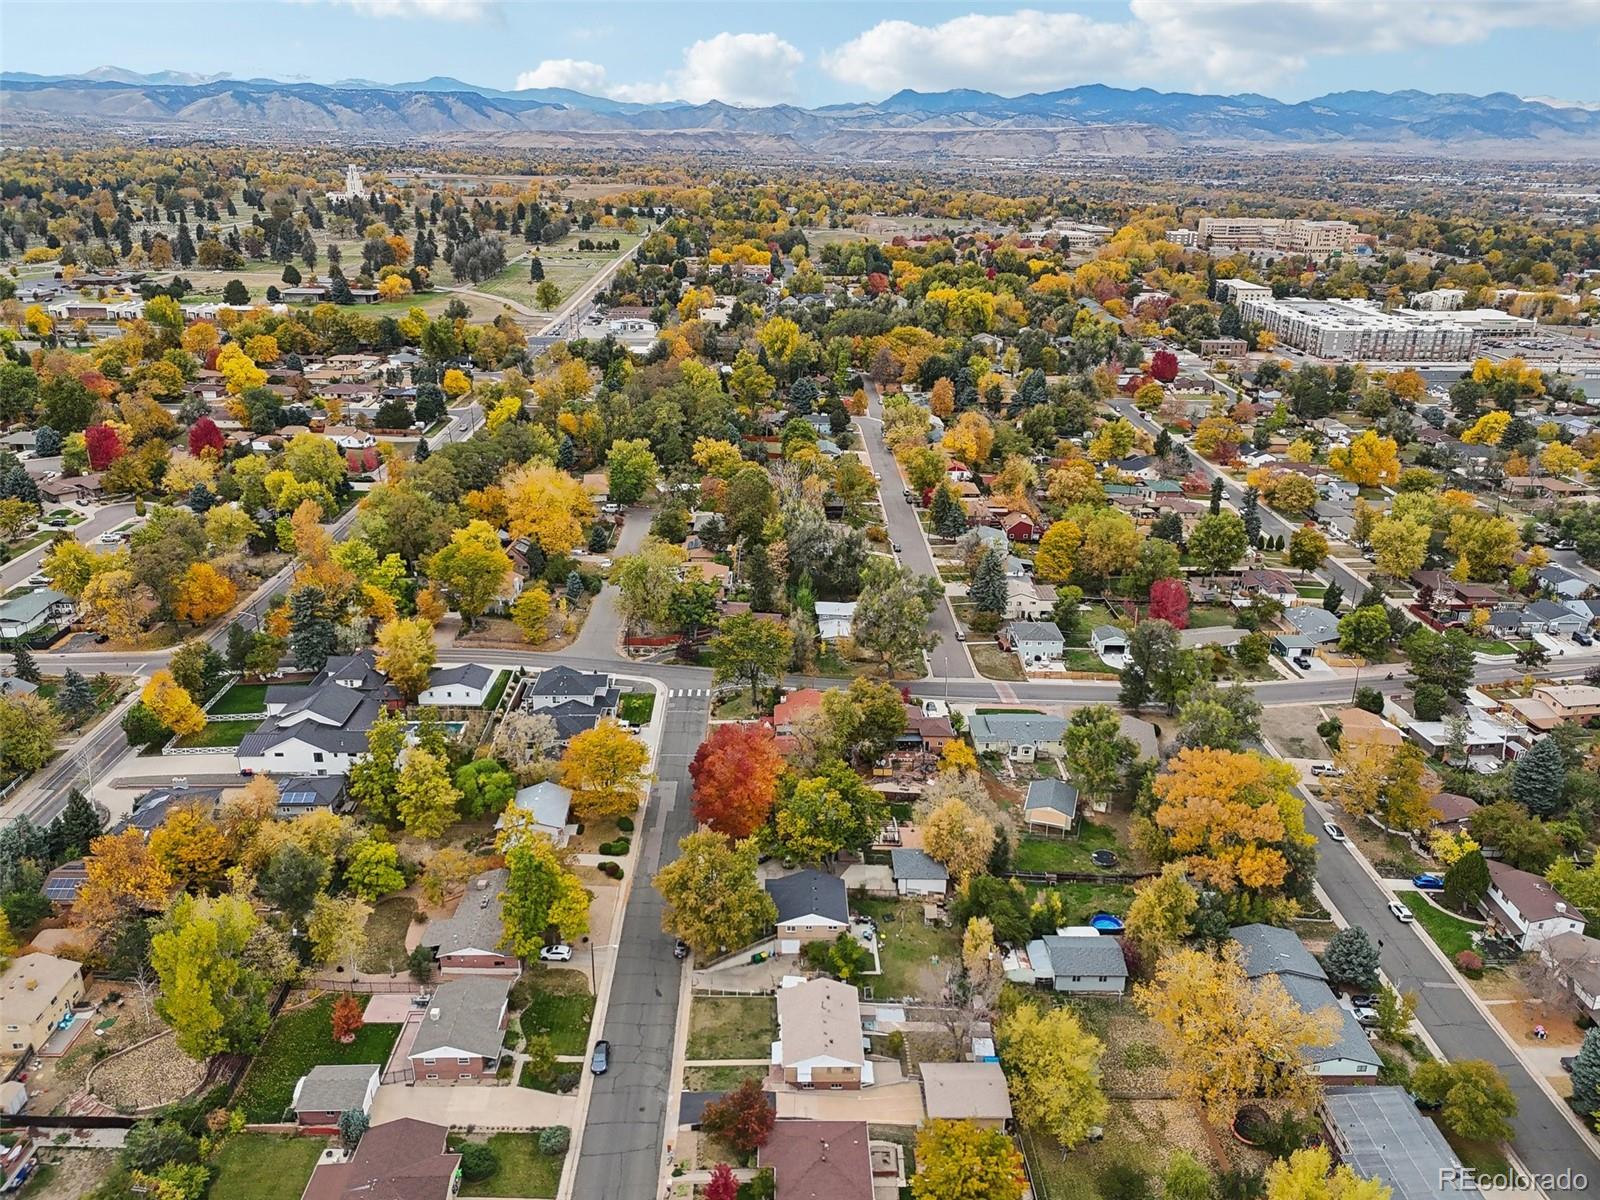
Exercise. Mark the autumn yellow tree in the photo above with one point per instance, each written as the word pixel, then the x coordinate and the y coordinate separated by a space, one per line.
pixel 1560 459
pixel 204 593
pixel 406 653
pixel 1309 1174
pixel 548 506
pixel 1054 1072
pixel 1058 548
pixel 958 838
pixel 166 698
pixel 1369 460
pixel 1230 817
pixel 472 569
pixel 114 604
pixel 191 847
pixel 604 768
pixel 1488 429
pixel 970 439
pixel 1229 1037
pixel 1385 781
pixel 455 383
pixel 122 877
pixel 957 757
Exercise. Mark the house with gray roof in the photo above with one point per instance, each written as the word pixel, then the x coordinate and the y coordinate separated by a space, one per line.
pixel 319 728
pixel 469 940
pixel 459 1039
pixel 23 615
pixel 152 808
pixel 1379 1134
pixel 1051 806
pixel 1036 643
pixel 561 685
pixel 549 803
pixel 312 793
pixel 1279 954
pixel 1269 950
pixel 812 907
pixel 1081 962
pixel 1565 584
pixel 1021 737
pixel 1551 617
pixel 1314 623
pixel 463 685
pixel 1110 644
pixel 328 1090
pixel 916 874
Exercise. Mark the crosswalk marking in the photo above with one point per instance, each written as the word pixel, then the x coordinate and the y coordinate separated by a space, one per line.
pixel 685 693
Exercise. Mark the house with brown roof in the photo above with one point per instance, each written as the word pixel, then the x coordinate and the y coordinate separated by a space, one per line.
pixel 819 1036
pixel 1453 810
pixel 1365 728
pixel 398 1160
pixel 819 1160
pixel 966 1091
pixel 1576 962
pixel 1550 705
pixel 1525 908
pixel 794 708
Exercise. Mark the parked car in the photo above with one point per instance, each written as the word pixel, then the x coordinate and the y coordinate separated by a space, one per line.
pixel 1366 1017
pixel 896 546
pixel 1566 1063
pixel 560 952
pixel 109 538
pixel 1428 882
pixel 600 1060
pixel 38 579
pixel 1582 638
pixel 1334 831
pixel 1104 859
pixel 680 949
pixel 1363 1000
pixel 1326 769
pixel 1401 912
pixel 961 635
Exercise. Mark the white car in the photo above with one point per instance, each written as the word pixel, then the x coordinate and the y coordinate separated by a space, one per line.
pixel 110 538
pixel 1334 831
pixel 1401 912
pixel 561 952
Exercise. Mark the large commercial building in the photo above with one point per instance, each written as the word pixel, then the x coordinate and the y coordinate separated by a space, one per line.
pixel 1314 239
pixel 1350 329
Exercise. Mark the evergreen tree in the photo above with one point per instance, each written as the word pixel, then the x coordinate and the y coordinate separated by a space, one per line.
pixel 1250 511
pixel 1538 777
pixel 22 660
pixel 310 629
pixel 1466 881
pixel 949 517
pixel 76 697
pixel 1352 958
pixel 80 824
pixel 567 453
pixel 1586 1073
pixel 756 567
pixel 1216 495
pixel 1332 597
pixel 574 586
pixel 535 267
pixel 238 647
pixel 803 397
pixel 988 591
pixel 422 452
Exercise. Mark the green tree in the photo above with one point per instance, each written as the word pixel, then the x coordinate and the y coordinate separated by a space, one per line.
pixel 893 613
pixel 1098 754
pixel 472 569
pixel 1218 541
pixel 1307 549
pixel 989 590
pixel 1442 659
pixel 751 649
pixel 1466 881
pixel 1538 778
pixel 486 787
pixel 425 799
pixel 864 720
pixel 713 899
pixel 542 893
pixel 375 776
pixel 1352 958
pixel 1586 1072
pixel 374 869
pixel 630 470
pixel 1476 1102
pixel 212 998
pixel 818 816
pixel 292 880
pixel 1366 631
pixel 1053 1067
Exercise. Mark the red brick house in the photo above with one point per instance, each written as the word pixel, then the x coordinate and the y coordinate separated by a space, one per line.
pixel 470 938
pixel 459 1038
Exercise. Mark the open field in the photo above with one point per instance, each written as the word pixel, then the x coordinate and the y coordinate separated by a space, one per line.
pixel 564 265
pixel 732 1027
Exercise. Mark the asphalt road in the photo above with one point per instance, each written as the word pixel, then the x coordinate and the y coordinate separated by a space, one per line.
pixel 1544 1140
pixel 620 1158
pixel 23 565
pixel 949 658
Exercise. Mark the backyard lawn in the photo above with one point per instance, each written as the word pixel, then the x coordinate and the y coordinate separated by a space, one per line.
pixel 386 935
pixel 1060 855
pixel 636 707
pixel 524 1171
pixel 243 698
pixel 1450 933
pixel 732 1027
pixel 501 680
pixel 218 733
pixel 560 1005
pixel 719 1079
pixel 264 1166
pixel 298 1041
pixel 916 957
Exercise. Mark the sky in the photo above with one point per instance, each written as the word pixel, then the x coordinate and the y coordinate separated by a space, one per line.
pixel 813 52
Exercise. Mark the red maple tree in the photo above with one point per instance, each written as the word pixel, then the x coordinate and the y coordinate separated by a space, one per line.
pixel 104 446
pixel 1169 601
pixel 735 774
pixel 722 1185
pixel 347 1019
pixel 1164 365
pixel 204 435
pixel 743 1117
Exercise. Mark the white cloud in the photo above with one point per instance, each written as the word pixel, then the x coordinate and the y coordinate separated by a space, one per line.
pixel 571 73
pixel 436 10
pixel 1173 44
pixel 737 68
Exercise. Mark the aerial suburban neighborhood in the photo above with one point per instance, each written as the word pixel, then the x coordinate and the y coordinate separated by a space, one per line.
pixel 587 641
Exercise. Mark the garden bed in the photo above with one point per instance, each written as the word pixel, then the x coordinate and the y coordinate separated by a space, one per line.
pixel 148 1075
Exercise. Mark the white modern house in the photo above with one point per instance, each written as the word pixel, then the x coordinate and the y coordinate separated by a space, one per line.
pixel 464 685
pixel 835 619
pixel 1037 643
pixel 26 614
pixel 1526 908
pixel 1110 645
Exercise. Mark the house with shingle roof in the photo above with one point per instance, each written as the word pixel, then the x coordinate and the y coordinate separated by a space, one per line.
pixel 472 937
pixel 916 874
pixel 812 907
pixel 330 1089
pixel 1021 737
pixel 459 1039
pixel 1270 952
pixel 819 1036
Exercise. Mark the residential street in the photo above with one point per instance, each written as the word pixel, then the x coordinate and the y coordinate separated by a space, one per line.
pixel 1544 1139
pixel 949 659
pixel 23 565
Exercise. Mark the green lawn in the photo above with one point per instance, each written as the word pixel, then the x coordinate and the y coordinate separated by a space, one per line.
pixel 1058 855
pixel 719 1079
pixel 1212 616
pixel 1450 933
pixel 1083 900
pixel 298 1041
pixel 386 935
pixel 560 1005
pixel 1312 591
pixel 264 1166
pixel 524 1171
pixel 219 733
pixel 636 707
pixel 498 690
pixel 732 1027
pixel 241 698
pixel 916 957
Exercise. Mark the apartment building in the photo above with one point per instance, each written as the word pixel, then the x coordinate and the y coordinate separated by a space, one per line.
pixel 1315 239
pixel 1349 329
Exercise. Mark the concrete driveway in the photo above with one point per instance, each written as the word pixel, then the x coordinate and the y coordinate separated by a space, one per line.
pixel 888 1104
pixel 484 1107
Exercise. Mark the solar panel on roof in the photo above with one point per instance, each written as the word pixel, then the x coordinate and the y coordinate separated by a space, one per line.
pixel 62 889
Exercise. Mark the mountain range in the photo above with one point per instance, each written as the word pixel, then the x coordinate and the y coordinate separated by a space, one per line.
pixel 957 124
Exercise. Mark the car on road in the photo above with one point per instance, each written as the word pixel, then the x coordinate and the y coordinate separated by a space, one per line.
pixel 109 538
pixel 896 546
pixel 560 952
pixel 909 496
pixel 1401 912
pixel 1104 859
pixel 1428 882
pixel 600 1060
pixel 680 949
pixel 38 579
pixel 57 522
pixel 961 635
pixel 1334 831
pixel 1566 544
